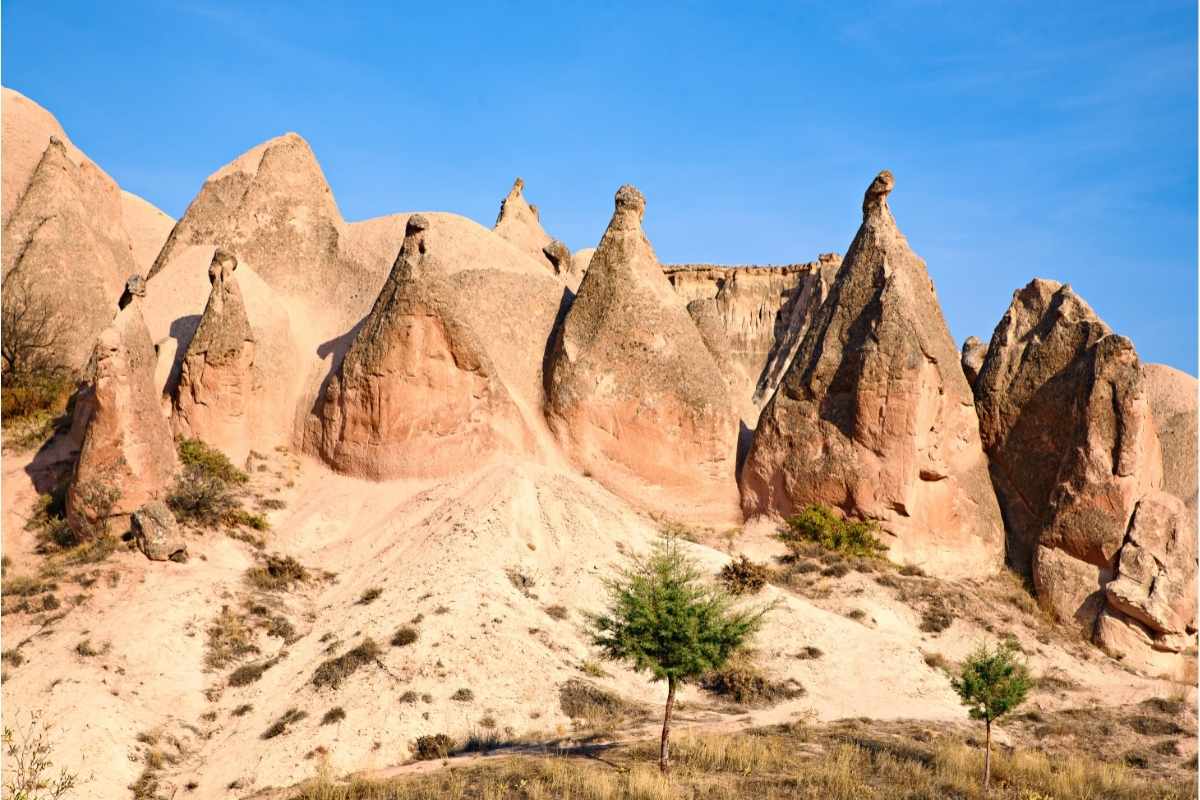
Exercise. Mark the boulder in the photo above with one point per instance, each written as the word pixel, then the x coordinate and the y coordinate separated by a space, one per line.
pixel 973 353
pixel 634 396
pixel 874 416
pixel 128 455
pixel 157 534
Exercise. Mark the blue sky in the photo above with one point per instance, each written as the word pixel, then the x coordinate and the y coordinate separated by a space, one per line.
pixel 1028 139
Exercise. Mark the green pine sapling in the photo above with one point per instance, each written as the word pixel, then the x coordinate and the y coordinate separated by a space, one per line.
pixel 992 682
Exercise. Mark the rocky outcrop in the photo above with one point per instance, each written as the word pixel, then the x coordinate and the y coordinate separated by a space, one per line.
pixel 1066 417
pixel 217 386
pixel 128 455
pixel 634 396
pixel 973 353
pixel 435 381
pixel 519 223
pixel 565 265
pixel 157 534
pixel 874 416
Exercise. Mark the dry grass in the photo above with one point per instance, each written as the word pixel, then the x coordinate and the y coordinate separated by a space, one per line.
pixel 230 638
pixel 773 764
pixel 741 681
pixel 277 573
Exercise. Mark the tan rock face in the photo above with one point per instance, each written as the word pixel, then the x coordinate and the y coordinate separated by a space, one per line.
pixel 874 416
pixel 634 395
pixel 127 446
pixel 761 312
pixel 423 390
pixel 217 387
pixel 1067 419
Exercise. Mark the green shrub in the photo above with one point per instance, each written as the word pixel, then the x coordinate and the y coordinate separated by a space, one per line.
pixel 820 525
pixel 201 499
pixel 427 748
pixel 744 576
pixel 332 672
pixel 210 462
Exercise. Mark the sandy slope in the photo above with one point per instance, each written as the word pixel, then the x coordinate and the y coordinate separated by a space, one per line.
pixel 428 546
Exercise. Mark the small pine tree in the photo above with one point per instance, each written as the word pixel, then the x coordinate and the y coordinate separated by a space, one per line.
pixel 666 619
pixel 992 683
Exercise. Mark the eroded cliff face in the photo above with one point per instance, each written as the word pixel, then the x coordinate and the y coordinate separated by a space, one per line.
pixel 1067 419
pixel 874 416
pixel 634 395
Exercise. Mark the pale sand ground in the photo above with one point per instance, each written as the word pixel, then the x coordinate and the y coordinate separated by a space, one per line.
pixel 427 545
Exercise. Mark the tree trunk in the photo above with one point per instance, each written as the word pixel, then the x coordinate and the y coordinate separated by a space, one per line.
pixel 987 758
pixel 664 762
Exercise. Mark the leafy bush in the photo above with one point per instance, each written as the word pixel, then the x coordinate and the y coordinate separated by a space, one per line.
pixel 819 524
pixel 427 748
pixel 209 462
pixel 744 576
pixel 332 672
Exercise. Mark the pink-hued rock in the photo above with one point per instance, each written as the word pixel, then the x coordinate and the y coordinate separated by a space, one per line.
pixel 519 223
pixel 218 387
pixel 634 396
pixel 874 416
pixel 127 445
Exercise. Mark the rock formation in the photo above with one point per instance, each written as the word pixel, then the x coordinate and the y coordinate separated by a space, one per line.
pixel 634 396
pixel 518 222
pixel 1066 417
pixel 217 383
pixel 874 416
pixel 973 353
pixel 157 534
pixel 442 373
pixel 128 455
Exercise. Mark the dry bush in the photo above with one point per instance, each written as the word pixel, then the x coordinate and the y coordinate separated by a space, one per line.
pixel 743 576
pixel 405 636
pixel 741 681
pixel 557 612
pixel 277 573
pixel 333 715
pixel 229 639
pixel 333 672
pixel 29 773
pixel 280 726
pixel 369 596
pixel 463 695
pixel 436 746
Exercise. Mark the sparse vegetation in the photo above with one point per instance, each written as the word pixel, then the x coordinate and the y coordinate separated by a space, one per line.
pixel 664 620
pixel 557 612
pixel 808 652
pixel 743 576
pixel 229 639
pixel 333 715
pixel 820 525
pixel 210 462
pixel 250 673
pixel 522 580
pixel 208 492
pixel 334 671
pixel 369 596
pixel 463 695
pixel 29 773
pixel 992 683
